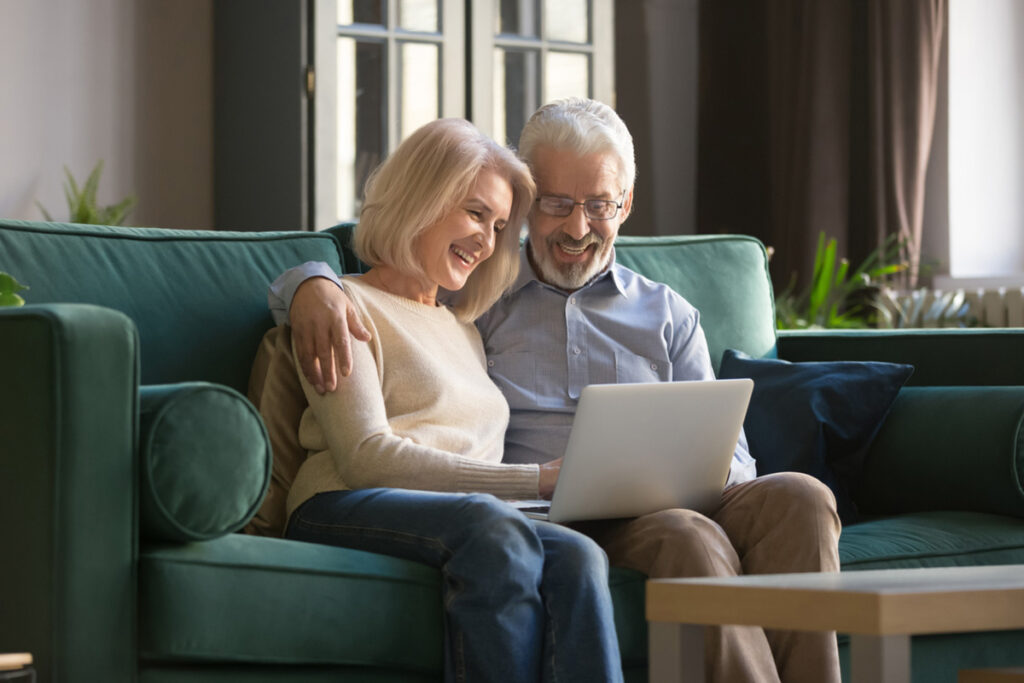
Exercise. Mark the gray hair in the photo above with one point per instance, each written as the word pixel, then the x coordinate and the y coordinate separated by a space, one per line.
pixel 583 126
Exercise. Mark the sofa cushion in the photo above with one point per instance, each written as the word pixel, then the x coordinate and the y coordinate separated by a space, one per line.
pixel 245 598
pixel 932 539
pixel 204 460
pixel 724 276
pixel 248 599
pixel 948 448
pixel 197 297
pixel 816 418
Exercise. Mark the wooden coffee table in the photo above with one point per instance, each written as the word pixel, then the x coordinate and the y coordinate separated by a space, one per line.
pixel 880 609
pixel 17 667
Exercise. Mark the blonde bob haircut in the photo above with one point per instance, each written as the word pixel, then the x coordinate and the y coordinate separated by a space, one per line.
pixel 426 177
pixel 584 127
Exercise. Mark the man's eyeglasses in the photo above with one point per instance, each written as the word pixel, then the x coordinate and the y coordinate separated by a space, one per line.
pixel 594 209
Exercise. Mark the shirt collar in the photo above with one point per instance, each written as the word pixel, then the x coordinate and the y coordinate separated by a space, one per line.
pixel 528 275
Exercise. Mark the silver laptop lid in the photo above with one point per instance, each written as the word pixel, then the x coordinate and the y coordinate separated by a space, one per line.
pixel 640 448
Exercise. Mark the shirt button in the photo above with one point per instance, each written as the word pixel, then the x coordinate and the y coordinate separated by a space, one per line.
pixel 490 363
pixel 576 350
pixel 573 301
pixel 654 366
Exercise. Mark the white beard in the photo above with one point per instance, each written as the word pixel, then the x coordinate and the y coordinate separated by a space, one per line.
pixel 568 276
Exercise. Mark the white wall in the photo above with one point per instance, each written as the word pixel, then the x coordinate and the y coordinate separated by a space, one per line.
pixel 986 137
pixel 127 82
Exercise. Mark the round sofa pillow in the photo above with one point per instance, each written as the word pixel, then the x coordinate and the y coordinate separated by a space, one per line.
pixel 205 461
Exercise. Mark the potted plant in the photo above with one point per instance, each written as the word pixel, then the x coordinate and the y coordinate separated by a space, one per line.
pixel 82 204
pixel 837 297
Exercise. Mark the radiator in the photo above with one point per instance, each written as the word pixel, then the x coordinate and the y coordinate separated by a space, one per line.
pixel 983 307
pixel 1002 307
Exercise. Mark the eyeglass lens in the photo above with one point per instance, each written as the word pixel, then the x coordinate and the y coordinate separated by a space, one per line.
pixel 601 209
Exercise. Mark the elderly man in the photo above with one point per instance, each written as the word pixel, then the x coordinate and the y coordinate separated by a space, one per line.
pixel 576 317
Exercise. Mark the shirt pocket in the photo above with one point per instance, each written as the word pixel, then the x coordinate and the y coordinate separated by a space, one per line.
pixel 631 368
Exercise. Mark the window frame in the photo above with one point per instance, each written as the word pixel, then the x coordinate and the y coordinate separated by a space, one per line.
pixel 467 89
pixel 451 41
pixel 483 41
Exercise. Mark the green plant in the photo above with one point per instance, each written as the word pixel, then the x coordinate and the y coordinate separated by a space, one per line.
pixel 9 288
pixel 836 297
pixel 82 205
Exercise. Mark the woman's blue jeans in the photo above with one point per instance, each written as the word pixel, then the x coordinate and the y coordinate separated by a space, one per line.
pixel 525 600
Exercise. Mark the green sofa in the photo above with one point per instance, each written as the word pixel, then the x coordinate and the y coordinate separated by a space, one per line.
pixel 129 460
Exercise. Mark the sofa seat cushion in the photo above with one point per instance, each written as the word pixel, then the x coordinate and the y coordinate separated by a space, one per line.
pixel 249 599
pixel 244 599
pixel 932 539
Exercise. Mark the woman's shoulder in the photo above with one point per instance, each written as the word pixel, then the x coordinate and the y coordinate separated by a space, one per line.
pixel 376 302
pixel 361 295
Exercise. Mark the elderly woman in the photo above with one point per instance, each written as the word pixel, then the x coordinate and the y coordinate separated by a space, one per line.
pixel 405 456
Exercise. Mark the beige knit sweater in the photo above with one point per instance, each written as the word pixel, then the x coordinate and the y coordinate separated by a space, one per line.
pixel 417 412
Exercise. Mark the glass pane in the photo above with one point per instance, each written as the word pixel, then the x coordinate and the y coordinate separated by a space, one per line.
pixel 516 17
pixel 420 85
pixel 515 92
pixel 566 75
pixel 418 15
pixel 567 20
pixel 360 12
pixel 360 120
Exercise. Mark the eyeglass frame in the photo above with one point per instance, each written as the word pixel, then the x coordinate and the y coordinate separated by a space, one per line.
pixel 605 202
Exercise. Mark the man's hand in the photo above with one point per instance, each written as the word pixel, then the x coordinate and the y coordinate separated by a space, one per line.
pixel 323 321
pixel 549 477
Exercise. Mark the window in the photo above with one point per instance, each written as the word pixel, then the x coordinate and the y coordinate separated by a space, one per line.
pixel 385 67
pixel 528 52
pixel 986 142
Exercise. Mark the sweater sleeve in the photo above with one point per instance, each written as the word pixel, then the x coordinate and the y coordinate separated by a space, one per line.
pixel 367 453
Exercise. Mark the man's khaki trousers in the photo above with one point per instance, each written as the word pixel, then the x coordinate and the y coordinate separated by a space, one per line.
pixel 778 523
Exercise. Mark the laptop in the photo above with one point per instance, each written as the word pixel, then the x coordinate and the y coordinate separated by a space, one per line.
pixel 640 448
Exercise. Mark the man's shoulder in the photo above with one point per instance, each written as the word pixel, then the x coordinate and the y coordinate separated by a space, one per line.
pixel 638 286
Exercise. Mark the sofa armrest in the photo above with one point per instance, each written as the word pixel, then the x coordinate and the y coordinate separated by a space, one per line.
pixel 68 412
pixel 941 357
pixel 948 448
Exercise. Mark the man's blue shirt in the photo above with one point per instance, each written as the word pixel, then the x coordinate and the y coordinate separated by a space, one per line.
pixel 544 345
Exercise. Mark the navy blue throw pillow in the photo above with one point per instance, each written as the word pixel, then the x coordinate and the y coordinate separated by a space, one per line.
pixel 818 418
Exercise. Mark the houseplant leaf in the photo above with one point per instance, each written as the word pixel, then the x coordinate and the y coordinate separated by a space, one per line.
pixel 9 288
pixel 114 215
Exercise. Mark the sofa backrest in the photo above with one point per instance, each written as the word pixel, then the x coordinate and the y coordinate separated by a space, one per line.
pixel 198 298
pixel 724 276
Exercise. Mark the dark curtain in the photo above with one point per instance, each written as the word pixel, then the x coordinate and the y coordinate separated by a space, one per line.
pixel 817 115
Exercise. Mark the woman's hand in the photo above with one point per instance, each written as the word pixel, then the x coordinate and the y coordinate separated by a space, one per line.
pixel 549 477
